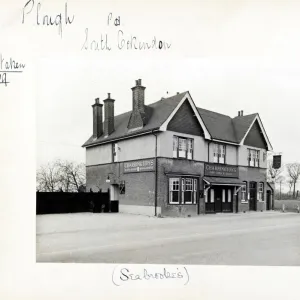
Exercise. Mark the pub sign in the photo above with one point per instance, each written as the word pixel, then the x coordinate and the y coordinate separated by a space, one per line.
pixel 220 170
pixel 144 165
pixel 276 161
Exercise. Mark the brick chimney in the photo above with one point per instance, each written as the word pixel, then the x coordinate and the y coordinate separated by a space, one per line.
pixel 109 114
pixel 138 116
pixel 97 119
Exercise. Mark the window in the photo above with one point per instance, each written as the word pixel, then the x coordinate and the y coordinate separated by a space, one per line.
pixel 253 158
pixel 114 152
pixel 183 190
pixel 219 153
pixel 183 147
pixel 212 195
pixel 261 191
pixel 175 146
pixel 174 191
pixel 188 191
pixel 244 192
pixel 229 195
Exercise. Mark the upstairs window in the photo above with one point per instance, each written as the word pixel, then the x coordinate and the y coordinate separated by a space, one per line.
pixel 261 191
pixel 219 153
pixel 183 147
pixel 253 158
pixel 114 152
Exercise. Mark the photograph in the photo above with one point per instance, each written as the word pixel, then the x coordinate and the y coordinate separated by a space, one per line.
pixel 176 166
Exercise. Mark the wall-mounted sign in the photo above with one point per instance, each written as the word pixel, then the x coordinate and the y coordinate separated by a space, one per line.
pixel 144 165
pixel 122 187
pixel 277 161
pixel 221 170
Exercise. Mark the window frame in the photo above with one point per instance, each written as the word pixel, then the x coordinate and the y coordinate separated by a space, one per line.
pixel 171 181
pixel 260 191
pixel 182 189
pixel 218 150
pixel 245 192
pixel 114 152
pixel 189 144
pixel 253 157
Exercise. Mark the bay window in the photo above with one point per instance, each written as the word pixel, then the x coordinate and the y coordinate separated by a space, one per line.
pixel 174 190
pixel 183 147
pixel 219 153
pixel 183 190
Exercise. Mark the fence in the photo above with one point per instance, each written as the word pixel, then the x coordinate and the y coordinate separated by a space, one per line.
pixel 289 205
pixel 57 203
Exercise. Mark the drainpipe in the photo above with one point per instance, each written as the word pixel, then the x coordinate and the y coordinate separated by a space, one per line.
pixel 155 183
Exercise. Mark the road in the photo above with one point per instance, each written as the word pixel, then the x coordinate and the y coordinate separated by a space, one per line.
pixel 260 239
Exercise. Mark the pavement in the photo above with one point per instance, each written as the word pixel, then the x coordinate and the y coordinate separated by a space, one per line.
pixel 258 238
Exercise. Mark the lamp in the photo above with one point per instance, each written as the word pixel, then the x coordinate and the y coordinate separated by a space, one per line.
pixel 108 178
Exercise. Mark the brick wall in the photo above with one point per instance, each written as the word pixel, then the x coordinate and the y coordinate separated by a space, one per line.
pixel 139 187
pixel 257 175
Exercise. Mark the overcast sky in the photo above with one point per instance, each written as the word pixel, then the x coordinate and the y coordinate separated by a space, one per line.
pixel 230 55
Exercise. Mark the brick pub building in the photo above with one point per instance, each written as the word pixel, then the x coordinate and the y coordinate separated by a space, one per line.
pixel 172 158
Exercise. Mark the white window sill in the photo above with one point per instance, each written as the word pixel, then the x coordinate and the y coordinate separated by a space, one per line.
pixel 244 201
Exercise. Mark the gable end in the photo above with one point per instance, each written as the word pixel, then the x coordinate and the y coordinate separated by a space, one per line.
pixel 185 121
pixel 255 137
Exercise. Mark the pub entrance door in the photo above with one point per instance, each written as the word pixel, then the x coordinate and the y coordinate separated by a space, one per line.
pixel 253 195
pixel 219 199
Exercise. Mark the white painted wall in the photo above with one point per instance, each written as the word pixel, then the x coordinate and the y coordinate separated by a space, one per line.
pixel 131 149
pixel 137 148
pixel 98 155
pixel 243 156
pixel 165 145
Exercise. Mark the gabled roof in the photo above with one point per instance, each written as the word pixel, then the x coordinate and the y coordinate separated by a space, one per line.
pixel 218 126
pixel 241 125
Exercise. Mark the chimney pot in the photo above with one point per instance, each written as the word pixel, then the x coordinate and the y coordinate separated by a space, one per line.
pixel 137 118
pixel 239 113
pixel 242 112
pixel 109 116
pixel 108 95
pixel 97 119
pixel 177 93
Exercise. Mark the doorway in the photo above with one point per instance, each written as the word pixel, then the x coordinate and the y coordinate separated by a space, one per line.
pixel 253 195
pixel 269 200
pixel 219 199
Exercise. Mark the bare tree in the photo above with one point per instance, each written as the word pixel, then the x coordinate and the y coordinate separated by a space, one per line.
pixel 61 175
pixel 72 175
pixel 48 177
pixel 293 171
